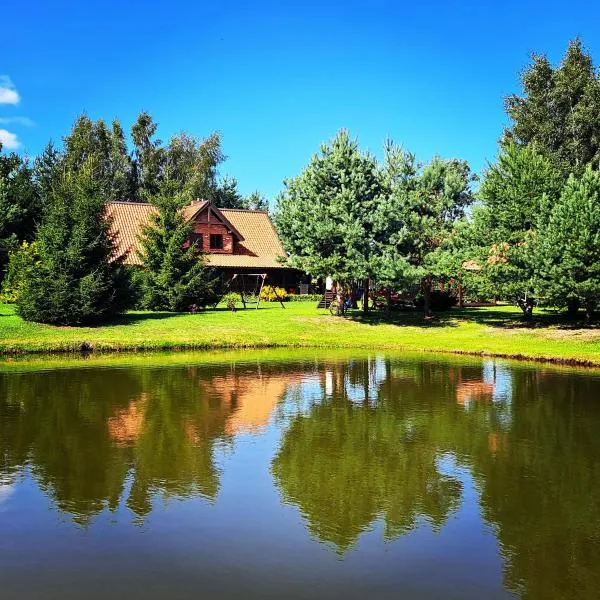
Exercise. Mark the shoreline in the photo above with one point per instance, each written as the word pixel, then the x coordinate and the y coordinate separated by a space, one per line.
pixel 88 350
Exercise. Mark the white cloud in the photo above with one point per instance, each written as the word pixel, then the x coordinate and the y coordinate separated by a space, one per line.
pixel 6 491
pixel 9 140
pixel 24 121
pixel 8 92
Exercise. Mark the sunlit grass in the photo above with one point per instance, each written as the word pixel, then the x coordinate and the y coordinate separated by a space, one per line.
pixel 494 331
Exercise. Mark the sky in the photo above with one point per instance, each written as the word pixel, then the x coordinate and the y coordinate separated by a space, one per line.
pixel 277 79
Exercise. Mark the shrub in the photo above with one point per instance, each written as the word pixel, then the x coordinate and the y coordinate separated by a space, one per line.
pixel 20 263
pixel 270 293
pixel 440 300
pixel 304 297
pixel 232 300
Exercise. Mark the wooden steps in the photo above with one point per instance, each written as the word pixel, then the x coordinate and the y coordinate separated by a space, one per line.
pixel 326 300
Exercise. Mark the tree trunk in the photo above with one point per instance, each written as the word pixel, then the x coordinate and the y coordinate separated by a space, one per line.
pixel 461 300
pixel 427 297
pixel 341 299
pixel 573 308
pixel 388 298
pixel 365 305
pixel 526 305
pixel 589 311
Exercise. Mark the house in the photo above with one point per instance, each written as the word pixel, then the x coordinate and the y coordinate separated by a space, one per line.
pixel 233 240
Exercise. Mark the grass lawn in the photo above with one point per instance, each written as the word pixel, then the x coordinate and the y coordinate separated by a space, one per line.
pixel 494 331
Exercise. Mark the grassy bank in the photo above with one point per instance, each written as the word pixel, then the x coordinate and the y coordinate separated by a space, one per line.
pixel 495 331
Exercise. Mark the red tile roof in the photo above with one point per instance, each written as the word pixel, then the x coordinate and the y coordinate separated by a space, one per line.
pixel 260 246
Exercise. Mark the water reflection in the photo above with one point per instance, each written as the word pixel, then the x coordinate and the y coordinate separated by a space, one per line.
pixel 93 439
pixel 351 445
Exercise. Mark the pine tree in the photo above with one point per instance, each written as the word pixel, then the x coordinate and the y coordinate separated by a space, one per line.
pixel 516 193
pixel 227 195
pixel 175 275
pixel 256 201
pixel 148 157
pixel 419 215
pixel 559 110
pixel 76 278
pixel 568 248
pixel 121 184
pixel 325 215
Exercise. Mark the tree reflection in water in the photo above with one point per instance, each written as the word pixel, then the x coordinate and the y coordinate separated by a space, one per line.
pixel 361 442
pixel 528 435
pixel 90 437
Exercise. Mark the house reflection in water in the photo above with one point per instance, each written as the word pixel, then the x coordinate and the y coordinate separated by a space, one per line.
pixel 252 398
pixel 494 385
pixel 126 424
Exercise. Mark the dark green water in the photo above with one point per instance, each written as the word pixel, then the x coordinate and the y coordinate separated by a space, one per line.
pixel 315 478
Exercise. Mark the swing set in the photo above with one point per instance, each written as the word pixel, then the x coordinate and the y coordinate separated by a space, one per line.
pixel 238 284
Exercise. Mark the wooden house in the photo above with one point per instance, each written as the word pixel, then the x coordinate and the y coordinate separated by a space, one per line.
pixel 233 240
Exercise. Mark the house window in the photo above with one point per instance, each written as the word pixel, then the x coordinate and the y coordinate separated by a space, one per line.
pixel 196 238
pixel 216 241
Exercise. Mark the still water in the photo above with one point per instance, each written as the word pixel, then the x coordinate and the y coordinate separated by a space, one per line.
pixel 316 477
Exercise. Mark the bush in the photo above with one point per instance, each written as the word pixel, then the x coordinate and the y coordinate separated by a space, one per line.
pixel 440 301
pixel 232 300
pixel 304 297
pixel 270 293
pixel 20 263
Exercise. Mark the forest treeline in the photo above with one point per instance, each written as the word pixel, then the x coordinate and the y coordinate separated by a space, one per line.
pixel 529 234
pixel 527 231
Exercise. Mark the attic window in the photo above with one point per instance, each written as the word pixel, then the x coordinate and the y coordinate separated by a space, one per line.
pixel 196 238
pixel 216 241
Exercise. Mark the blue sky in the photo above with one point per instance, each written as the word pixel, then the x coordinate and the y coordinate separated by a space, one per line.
pixel 278 78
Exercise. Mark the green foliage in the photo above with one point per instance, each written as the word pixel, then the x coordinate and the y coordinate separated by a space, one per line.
pixel 232 300
pixel 559 110
pixel 227 195
pixel 270 293
pixel 20 204
pixel 147 157
pixel 106 147
pixel 176 277
pixel 424 204
pixel 20 262
pixel 77 279
pixel 256 201
pixel 568 246
pixel 347 217
pixel 326 215
pixel 304 297
pixel 517 192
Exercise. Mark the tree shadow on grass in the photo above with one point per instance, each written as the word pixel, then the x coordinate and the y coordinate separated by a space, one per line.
pixel 402 319
pixel 131 318
pixel 140 317
pixel 486 316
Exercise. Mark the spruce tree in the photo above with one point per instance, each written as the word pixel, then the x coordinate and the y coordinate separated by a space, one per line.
pixel 175 276
pixel 76 278
pixel 568 248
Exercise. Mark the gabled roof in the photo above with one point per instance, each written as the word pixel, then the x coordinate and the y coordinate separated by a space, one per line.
pixel 258 244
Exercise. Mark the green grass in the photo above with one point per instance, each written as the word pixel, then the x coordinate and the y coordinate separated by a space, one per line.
pixel 494 331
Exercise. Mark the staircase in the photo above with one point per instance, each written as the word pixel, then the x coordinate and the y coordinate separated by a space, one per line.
pixel 326 299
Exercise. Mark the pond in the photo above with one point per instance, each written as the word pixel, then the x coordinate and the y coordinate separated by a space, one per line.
pixel 313 476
